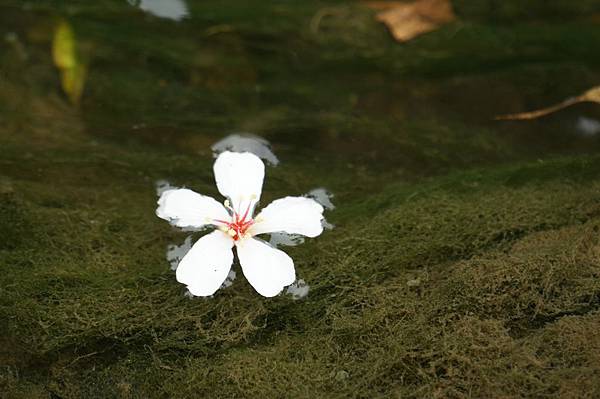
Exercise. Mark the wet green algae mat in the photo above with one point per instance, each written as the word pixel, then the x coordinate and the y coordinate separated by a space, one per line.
pixel 465 261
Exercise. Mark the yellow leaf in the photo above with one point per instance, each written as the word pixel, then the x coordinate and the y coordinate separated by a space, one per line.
pixel 73 72
pixel 64 50
pixel 73 82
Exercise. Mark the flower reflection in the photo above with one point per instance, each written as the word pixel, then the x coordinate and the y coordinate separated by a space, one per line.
pixel 298 290
pixel 176 252
pixel 170 9
pixel 246 142
pixel 288 240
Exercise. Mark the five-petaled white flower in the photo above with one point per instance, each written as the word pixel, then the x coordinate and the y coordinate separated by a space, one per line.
pixel 239 177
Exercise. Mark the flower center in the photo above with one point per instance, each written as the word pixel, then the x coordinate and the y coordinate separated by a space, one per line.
pixel 240 223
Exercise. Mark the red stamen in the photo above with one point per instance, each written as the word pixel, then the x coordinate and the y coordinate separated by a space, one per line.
pixel 247 210
pixel 237 225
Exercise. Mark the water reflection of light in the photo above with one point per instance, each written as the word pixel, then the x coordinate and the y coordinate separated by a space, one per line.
pixel 587 127
pixel 288 240
pixel 229 280
pixel 171 9
pixel 176 252
pixel 323 197
pixel 298 289
pixel 245 142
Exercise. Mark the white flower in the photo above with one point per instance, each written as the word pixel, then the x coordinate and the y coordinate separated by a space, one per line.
pixel 239 177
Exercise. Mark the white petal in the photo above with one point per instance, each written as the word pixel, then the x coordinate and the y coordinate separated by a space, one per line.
pixel 267 269
pixel 239 177
pixel 205 267
pixel 185 208
pixel 292 215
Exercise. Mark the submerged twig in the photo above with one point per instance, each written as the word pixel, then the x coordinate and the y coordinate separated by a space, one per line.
pixel 592 95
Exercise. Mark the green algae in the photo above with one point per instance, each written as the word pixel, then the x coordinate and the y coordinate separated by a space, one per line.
pixel 497 265
pixel 464 262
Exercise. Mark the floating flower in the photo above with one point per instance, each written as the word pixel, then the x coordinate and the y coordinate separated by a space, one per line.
pixel 239 178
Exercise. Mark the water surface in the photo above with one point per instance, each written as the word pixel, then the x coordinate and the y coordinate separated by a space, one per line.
pixel 462 245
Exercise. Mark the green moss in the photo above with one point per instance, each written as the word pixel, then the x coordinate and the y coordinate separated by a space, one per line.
pixel 15 229
pixel 569 349
pixel 442 293
pixel 544 276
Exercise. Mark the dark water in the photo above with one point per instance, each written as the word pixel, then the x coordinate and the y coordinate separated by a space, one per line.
pixel 101 100
pixel 340 93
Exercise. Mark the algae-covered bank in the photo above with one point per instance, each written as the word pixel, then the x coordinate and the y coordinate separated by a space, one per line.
pixel 464 261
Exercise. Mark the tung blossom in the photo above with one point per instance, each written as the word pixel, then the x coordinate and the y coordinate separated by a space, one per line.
pixel 239 178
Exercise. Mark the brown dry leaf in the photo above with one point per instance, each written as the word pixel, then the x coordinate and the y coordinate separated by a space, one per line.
pixel 409 20
pixel 592 95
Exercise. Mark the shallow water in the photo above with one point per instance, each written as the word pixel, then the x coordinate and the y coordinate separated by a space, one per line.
pixel 104 103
